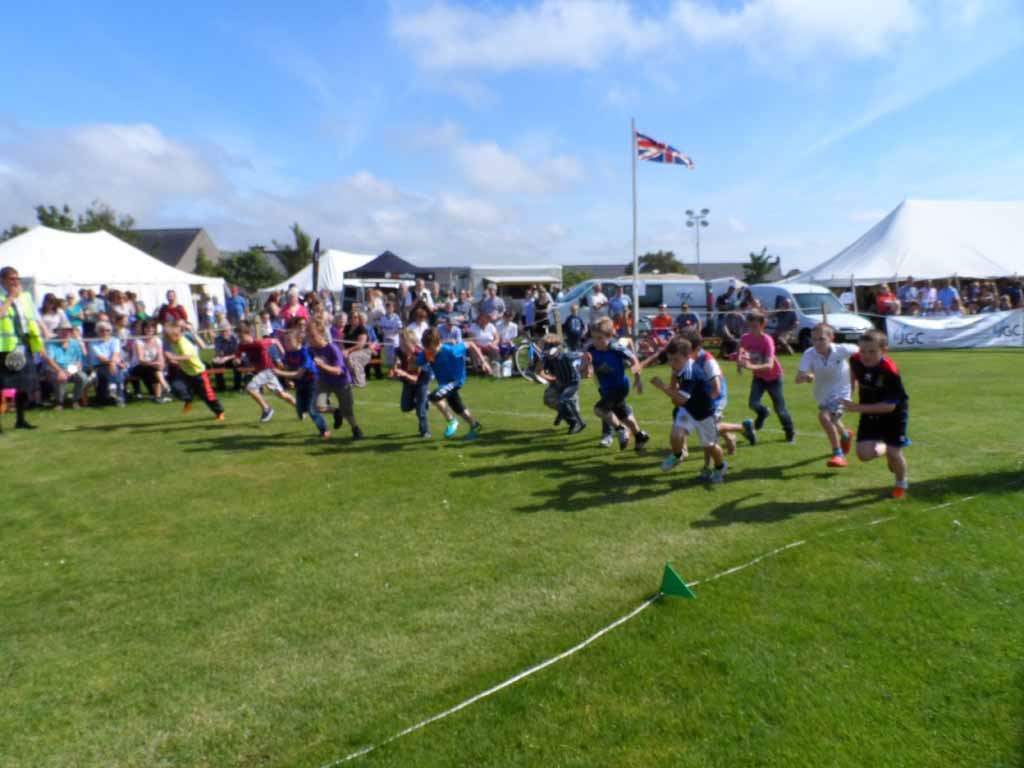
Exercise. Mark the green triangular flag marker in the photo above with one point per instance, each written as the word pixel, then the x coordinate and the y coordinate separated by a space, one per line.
pixel 672 584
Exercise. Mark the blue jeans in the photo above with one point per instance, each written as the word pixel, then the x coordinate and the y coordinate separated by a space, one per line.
pixel 105 379
pixel 414 397
pixel 305 402
pixel 758 387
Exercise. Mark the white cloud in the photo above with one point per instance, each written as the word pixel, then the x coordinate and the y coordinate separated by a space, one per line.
pixel 489 167
pixel 860 28
pixel 580 34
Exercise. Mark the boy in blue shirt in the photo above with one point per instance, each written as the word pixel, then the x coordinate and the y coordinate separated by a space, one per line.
pixel 612 363
pixel 691 393
pixel 448 362
pixel 303 371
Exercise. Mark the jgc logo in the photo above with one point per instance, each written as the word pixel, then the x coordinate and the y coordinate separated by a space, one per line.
pixel 1007 330
pixel 908 338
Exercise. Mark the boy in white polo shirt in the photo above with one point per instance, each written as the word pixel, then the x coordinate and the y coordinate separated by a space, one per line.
pixel 825 364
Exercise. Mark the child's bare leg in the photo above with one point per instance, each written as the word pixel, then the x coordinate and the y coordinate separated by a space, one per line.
pixel 714 453
pixel 607 417
pixel 677 439
pixel 467 416
pixel 633 424
pixel 287 397
pixel 255 395
pixel 870 451
pixel 442 406
pixel 825 419
pixel 897 462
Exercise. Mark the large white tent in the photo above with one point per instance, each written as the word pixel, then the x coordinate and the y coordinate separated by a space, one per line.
pixel 53 261
pixel 929 240
pixel 333 266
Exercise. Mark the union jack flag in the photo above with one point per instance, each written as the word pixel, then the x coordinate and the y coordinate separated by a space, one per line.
pixel 656 152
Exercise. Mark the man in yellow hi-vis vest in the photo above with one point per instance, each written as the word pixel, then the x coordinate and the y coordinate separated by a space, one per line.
pixel 21 337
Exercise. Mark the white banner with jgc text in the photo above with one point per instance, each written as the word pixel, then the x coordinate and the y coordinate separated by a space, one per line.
pixel 992 329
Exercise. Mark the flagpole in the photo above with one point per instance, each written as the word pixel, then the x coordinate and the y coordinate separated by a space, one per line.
pixel 636 266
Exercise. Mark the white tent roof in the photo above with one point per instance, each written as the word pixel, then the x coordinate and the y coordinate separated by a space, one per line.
pixel 333 266
pixel 931 239
pixel 53 261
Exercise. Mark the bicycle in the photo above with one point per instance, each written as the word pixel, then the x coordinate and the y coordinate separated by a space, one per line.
pixel 527 358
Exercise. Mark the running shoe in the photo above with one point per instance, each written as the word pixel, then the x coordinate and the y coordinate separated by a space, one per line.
pixel 357 433
pixel 791 437
pixel 718 475
pixel 642 439
pixel 899 492
pixel 836 461
pixel 606 440
pixel 576 427
pixel 452 428
pixel 267 416
pixel 623 439
pixel 187 407
pixel 705 475
pixel 219 416
pixel 846 441
pixel 748 431
pixel 474 431
pixel 671 461
pixel 558 420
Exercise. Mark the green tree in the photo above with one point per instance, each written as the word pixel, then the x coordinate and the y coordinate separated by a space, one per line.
pixel 248 269
pixel 295 257
pixel 662 262
pixel 56 218
pixel 760 266
pixel 206 266
pixel 98 216
pixel 571 277
pixel 12 231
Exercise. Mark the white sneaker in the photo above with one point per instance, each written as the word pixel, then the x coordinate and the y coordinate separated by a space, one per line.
pixel 606 441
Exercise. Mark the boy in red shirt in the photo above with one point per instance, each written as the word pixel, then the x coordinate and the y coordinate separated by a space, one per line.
pixel 258 353
pixel 883 408
pixel 757 355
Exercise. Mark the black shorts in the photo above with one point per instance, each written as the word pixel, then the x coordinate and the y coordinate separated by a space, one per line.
pixel 614 401
pixel 888 428
pixel 449 392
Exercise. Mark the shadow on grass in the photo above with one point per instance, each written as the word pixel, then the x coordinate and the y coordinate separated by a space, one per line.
pixel 174 425
pixel 747 510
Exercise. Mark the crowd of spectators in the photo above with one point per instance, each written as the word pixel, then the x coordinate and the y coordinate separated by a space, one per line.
pixel 929 298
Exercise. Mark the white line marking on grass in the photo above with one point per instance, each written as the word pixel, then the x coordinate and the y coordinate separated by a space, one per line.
pixel 617 623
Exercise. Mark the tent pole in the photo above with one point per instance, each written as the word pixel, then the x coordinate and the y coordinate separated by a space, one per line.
pixel 853 290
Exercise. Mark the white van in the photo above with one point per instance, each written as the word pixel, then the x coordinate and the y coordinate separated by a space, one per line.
pixel 655 290
pixel 809 302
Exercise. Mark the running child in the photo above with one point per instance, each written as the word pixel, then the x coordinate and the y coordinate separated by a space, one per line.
pixel 694 413
pixel 191 379
pixel 415 380
pixel 707 363
pixel 612 362
pixel 333 378
pixel 561 372
pixel 825 364
pixel 883 408
pixel 757 355
pixel 257 351
pixel 300 368
pixel 448 363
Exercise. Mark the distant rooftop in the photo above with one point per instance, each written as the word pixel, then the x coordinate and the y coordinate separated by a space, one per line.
pixel 168 245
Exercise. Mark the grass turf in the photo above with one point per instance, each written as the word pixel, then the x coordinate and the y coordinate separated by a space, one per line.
pixel 179 592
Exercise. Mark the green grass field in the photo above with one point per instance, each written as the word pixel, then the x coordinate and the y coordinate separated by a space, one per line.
pixel 175 592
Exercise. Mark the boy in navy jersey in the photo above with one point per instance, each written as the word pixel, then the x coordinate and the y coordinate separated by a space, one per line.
pixel 300 368
pixel 883 407
pixel 693 396
pixel 561 372
pixel 612 363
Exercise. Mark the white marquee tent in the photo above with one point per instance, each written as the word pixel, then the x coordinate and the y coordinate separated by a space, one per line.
pixel 53 261
pixel 333 266
pixel 929 240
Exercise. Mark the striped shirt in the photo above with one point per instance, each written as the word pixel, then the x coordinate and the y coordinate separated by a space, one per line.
pixel 564 366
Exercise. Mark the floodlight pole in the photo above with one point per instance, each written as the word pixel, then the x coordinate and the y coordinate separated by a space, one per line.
pixel 697 220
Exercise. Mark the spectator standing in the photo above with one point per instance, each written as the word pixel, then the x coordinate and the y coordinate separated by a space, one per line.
pixel 464 306
pixel 529 308
pixel 617 307
pixel 907 292
pixel 598 304
pixel 390 326
pixel 237 307
pixel 926 294
pixel 491 305
pixel 947 293
pixel 785 326
pixel 172 311
pixel 542 308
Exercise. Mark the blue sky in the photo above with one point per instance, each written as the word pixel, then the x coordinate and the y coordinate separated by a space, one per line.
pixel 491 132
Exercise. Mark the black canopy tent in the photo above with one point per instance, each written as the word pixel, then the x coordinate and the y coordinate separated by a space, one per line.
pixel 388 266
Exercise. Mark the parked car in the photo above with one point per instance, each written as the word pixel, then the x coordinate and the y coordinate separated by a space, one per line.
pixel 810 303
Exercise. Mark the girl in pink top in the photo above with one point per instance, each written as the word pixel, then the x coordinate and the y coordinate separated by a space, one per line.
pixel 757 355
